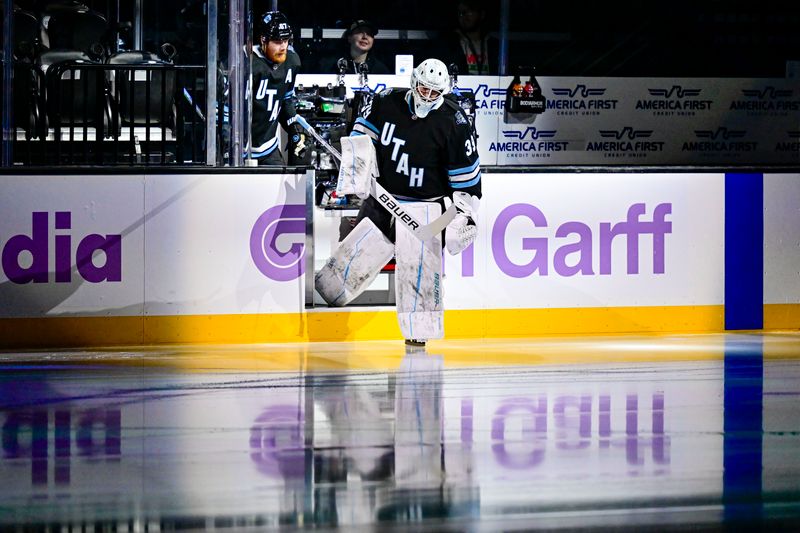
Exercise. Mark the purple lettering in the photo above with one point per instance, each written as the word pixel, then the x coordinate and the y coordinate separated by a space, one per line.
pixel 111 246
pixel 565 424
pixel 635 229
pixel 89 442
pixel 534 433
pixel 632 228
pixel 660 441
pixel 34 424
pixel 466 422
pixel 632 431
pixel 468 261
pixel 583 247
pixel 660 228
pixel 63 248
pixel 605 421
pixel 36 245
pixel 63 447
pixel 538 244
pixel 277 264
pixel 276 442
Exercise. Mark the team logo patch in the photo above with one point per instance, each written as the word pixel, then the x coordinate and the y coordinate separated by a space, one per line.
pixel 460 118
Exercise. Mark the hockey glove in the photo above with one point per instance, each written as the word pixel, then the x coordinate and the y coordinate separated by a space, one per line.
pixel 299 141
pixel 460 233
pixel 298 149
pixel 462 230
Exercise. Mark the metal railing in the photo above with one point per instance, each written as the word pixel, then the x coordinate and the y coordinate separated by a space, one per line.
pixel 117 114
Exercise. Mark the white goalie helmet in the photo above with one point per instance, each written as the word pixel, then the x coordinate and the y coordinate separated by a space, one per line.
pixel 430 81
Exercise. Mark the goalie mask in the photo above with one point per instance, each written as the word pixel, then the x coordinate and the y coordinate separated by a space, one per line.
pixel 430 81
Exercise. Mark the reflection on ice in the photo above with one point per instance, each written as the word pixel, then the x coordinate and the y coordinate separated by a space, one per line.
pixel 421 442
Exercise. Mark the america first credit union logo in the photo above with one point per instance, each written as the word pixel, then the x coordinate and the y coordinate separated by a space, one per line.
pixel 790 145
pixel 731 142
pixel 529 143
pixel 375 90
pixel 489 101
pixel 580 99
pixel 625 143
pixel 677 101
pixel 767 101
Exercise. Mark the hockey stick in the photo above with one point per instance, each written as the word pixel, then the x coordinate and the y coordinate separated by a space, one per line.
pixel 423 231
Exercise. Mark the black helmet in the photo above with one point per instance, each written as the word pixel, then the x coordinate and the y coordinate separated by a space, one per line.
pixel 274 26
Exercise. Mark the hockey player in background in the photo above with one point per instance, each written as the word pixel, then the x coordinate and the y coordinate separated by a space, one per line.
pixel 425 154
pixel 275 67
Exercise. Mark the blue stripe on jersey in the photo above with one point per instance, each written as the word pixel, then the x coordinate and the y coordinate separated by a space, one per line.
pixel 288 95
pixel 271 146
pixel 464 170
pixel 368 124
pixel 465 184
pixel 265 153
pixel 355 133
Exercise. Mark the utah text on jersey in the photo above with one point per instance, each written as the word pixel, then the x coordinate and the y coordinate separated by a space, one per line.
pixel 421 158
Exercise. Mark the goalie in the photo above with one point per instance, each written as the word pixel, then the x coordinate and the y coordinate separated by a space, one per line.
pixel 421 148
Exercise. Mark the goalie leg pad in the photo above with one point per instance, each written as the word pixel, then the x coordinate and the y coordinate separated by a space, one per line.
pixel 418 278
pixel 354 265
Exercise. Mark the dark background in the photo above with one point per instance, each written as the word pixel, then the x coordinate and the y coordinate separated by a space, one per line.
pixel 608 38
pixel 706 38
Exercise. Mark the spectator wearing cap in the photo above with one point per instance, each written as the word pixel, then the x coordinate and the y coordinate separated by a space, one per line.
pixel 358 41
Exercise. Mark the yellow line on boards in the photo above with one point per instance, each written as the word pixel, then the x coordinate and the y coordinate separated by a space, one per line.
pixel 782 316
pixel 364 324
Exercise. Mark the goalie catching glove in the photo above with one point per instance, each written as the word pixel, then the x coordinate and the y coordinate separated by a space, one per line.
pixel 462 230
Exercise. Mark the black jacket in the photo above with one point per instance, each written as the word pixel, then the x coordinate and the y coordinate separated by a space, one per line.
pixel 330 65
pixel 451 52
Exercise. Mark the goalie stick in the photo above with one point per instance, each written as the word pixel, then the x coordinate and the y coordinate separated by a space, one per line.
pixel 423 231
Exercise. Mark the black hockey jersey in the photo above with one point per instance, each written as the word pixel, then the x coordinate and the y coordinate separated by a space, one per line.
pixel 273 102
pixel 421 158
